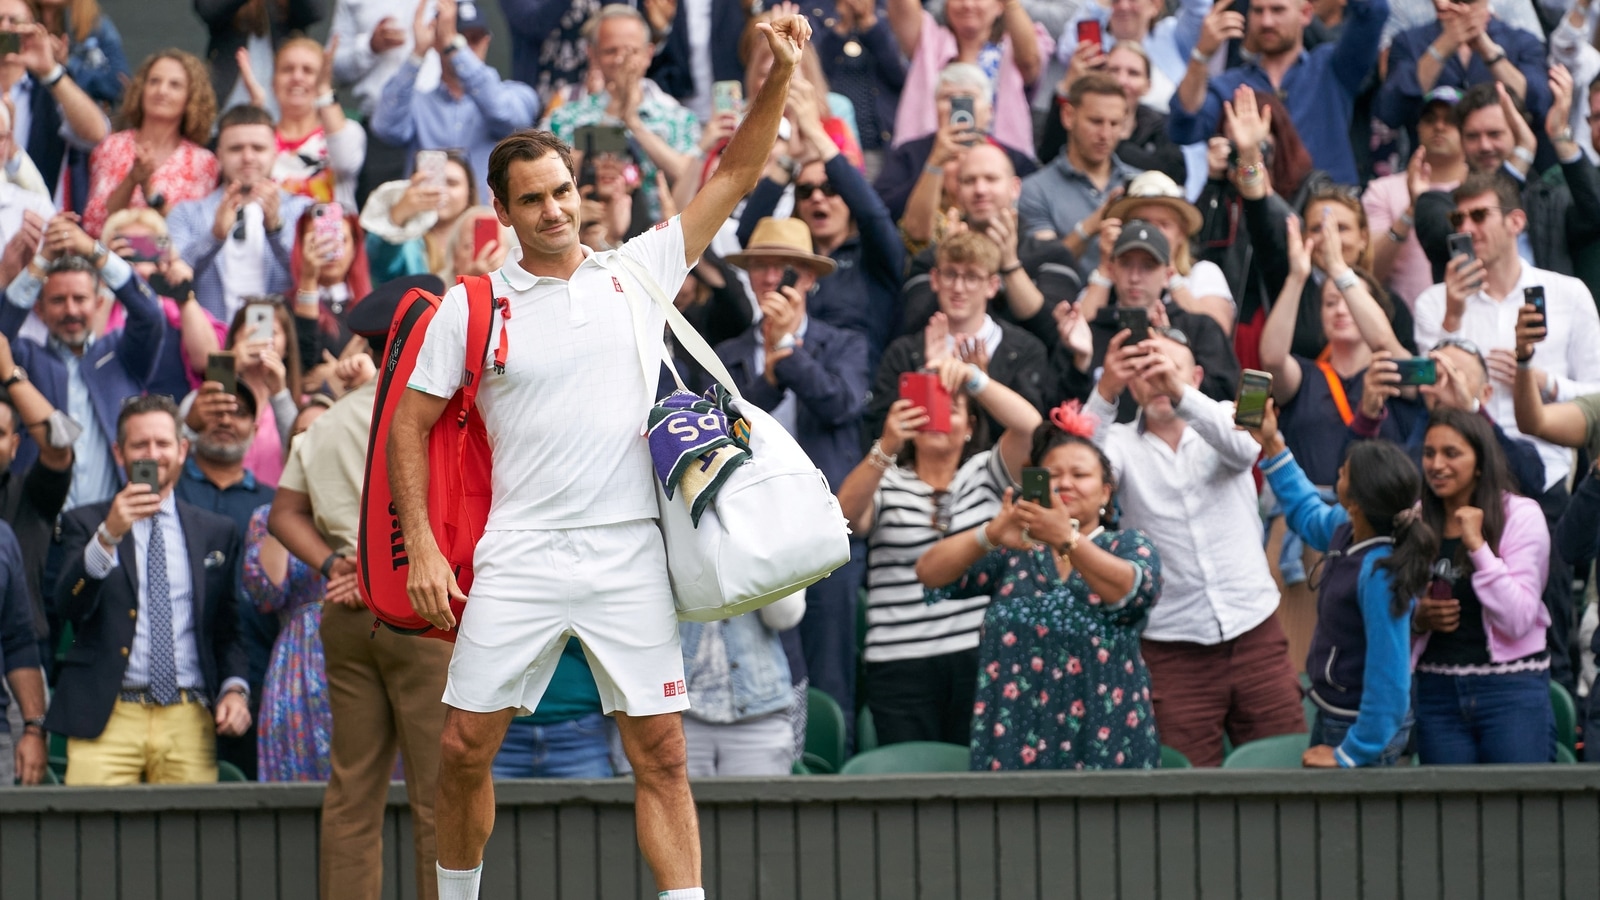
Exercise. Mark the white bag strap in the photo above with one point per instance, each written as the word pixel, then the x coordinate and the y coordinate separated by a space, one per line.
pixel 686 334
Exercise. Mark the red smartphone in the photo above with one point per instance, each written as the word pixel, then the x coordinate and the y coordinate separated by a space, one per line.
pixel 1089 30
pixel 484 230
pixel 924 390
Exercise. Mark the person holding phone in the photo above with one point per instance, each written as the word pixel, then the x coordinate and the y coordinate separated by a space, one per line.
pixel 1380 558
pixel 1482 661
pixel 270 371
pixel 409 224
pixel 1061 684
pixel 1218 658
pixel 916 487
pixel 331 276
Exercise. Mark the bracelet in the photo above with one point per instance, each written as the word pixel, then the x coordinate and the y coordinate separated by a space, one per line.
pixel 880 460
pixel 327 565
pixel 982 533
pixel 1251 175
pixel 1346 280
pixel 1010 269
pixel 327 100
pixel 1397 237
pixel 977 382
pixel 1406 220
pixel 1523 154
pixel 1067 547
pixel 54 77
pixel 1078 230
pixel 1524 362
pixel 933 170
pixel 1176 282
pixel 1495 61
pixel 1564 136
pixel 1437 56
pixel 1098 280
pixel 1196 56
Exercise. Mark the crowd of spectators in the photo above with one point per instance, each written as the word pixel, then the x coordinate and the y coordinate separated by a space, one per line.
pixel 1083 224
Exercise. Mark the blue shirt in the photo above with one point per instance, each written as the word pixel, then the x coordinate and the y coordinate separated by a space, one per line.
pixel 488 110
pixel 1319 90
pixel 93 477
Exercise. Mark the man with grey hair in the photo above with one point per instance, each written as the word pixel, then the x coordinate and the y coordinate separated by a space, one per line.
pixel 661 132
pixel 917 169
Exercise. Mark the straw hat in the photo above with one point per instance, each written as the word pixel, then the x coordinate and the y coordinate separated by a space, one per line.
pixel 1156 188
pixel 785 239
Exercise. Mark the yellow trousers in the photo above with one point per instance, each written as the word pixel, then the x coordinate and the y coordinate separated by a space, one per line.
pixel 174 744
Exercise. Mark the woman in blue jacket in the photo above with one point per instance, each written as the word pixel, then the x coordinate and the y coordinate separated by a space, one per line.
pixel 1378 557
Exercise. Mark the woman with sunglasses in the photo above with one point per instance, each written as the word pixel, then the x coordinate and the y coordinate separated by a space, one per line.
pixel 1062 684
pixel 915 487
pixel 1379 558
pixel 1482 664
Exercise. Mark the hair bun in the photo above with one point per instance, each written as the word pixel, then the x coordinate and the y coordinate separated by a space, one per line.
pixel 1070 418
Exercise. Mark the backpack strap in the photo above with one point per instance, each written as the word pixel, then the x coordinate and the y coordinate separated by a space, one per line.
pixel 481 304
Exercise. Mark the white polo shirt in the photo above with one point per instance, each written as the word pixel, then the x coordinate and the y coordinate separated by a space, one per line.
pixel 566 420
pixel 1570 352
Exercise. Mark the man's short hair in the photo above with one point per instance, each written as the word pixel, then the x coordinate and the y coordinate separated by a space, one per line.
pixel 1482 96
pixel 71 262
pixel 965 75
pixel 613 11
pixel 244 114
pixel 526 145
pixel 1094 83
pixel 140 405
pixel 1495 181
pixel 970 248
pixel 13 419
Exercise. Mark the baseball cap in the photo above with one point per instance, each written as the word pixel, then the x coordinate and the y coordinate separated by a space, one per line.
pixel 1445 94
pixel 469 18
pixel 1141 235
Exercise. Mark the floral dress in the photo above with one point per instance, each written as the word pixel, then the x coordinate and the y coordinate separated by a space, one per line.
pixel 293 738
pixel 1061 684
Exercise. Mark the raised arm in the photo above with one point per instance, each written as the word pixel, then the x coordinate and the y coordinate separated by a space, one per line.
pixel 1024 42
pixel 1563 424
pixel 907 18
pixel 747 152
pixel 1278 334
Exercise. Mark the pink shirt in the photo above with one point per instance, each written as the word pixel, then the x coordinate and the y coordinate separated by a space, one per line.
pixel 1385 200
pixel 265 456
pixel 188 174
pixel 1510 586
pixel 1012 122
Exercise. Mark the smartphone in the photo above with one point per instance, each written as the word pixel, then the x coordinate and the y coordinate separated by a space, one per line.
pixel 1135 319
pixel 925 390
pixel 1036 485
pixel 10 42
pixel 603 139
pixel 431 164
pixel 327 229
pixel 1255 386
pixel 727 97
pixel 961 113
pixel 1416 371
pixel 1089 30
pixel 257 323
pixel 219 368
pixel 791 276
pixel 145 471
pixel 146 248
pixel 484 231
pixel 1461 245
pixel 1534 296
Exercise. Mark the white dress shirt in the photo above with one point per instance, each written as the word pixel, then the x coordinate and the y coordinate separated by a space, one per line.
pixel 1198 505
pixel 1569 354
pixel 99 563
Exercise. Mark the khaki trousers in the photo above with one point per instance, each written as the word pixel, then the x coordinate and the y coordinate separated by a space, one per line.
pixel 174 744
pixel 384 691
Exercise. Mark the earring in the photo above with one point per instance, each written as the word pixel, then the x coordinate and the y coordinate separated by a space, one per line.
pixel 969 437
pixel 1102 512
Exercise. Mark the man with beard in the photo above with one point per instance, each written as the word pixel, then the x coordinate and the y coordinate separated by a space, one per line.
pixel 85 376
pixel 215 479
pixel 1318 86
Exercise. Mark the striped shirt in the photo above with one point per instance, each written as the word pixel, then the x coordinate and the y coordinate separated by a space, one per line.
pixel 900 624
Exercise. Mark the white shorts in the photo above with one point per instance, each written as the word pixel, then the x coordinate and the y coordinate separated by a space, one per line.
pixel 605 584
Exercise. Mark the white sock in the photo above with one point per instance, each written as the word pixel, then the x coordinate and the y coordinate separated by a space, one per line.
pixel 679 894
pixel 459 884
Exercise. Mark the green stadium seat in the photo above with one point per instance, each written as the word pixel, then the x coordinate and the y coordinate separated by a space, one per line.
pixel 1172 759
pixel 227 771
pixel 1279 752
pixel 866 731
pixel 1566 713
pixel 825 730
pixel 911 756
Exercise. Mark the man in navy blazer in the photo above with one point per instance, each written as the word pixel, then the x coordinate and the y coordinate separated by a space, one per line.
pixel 813 378
pixel 85 376
pixel 155 670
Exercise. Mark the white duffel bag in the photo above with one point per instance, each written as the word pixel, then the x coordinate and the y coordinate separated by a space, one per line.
pixel 774 526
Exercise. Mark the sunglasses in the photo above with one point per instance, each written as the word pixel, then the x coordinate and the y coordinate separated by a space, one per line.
pixel 942 513
pixel 1173 335
pixel 804 191
pixel 1478 216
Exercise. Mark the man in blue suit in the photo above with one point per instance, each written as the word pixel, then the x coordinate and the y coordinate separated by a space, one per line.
pixel 813 378
pixel 86 376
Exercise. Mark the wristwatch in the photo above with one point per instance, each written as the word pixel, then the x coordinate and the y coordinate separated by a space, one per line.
pixel 459 42
pixel 1563 136
pixel 18 373
pixel 35 722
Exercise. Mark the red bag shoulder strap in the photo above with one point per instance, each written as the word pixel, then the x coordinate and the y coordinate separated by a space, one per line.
pixel 480 324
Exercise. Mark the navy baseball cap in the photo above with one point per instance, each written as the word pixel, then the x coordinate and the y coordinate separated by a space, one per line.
pixel 470 19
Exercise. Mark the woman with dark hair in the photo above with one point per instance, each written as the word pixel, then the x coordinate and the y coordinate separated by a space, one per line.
pixel 916 486
pixel 1379 558
pixel 330 278
pixel 1483 669
pixel 1061 683
pixel 159 159
pixel 409 223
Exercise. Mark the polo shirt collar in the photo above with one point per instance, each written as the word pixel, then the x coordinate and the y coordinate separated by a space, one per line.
pixel 519 279
pixel 191 470
pixel 1120 171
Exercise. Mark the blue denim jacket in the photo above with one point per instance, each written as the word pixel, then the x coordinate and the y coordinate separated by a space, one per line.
pixel 757 676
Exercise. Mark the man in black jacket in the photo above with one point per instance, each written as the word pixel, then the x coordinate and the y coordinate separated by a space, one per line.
pixel 1137 274
pixel 155 670
pixel 964 282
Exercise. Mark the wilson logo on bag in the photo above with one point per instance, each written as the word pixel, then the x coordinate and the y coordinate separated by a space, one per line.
pixel 458 465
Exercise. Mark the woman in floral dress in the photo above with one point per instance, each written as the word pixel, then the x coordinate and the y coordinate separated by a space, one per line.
pixel 1061 684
